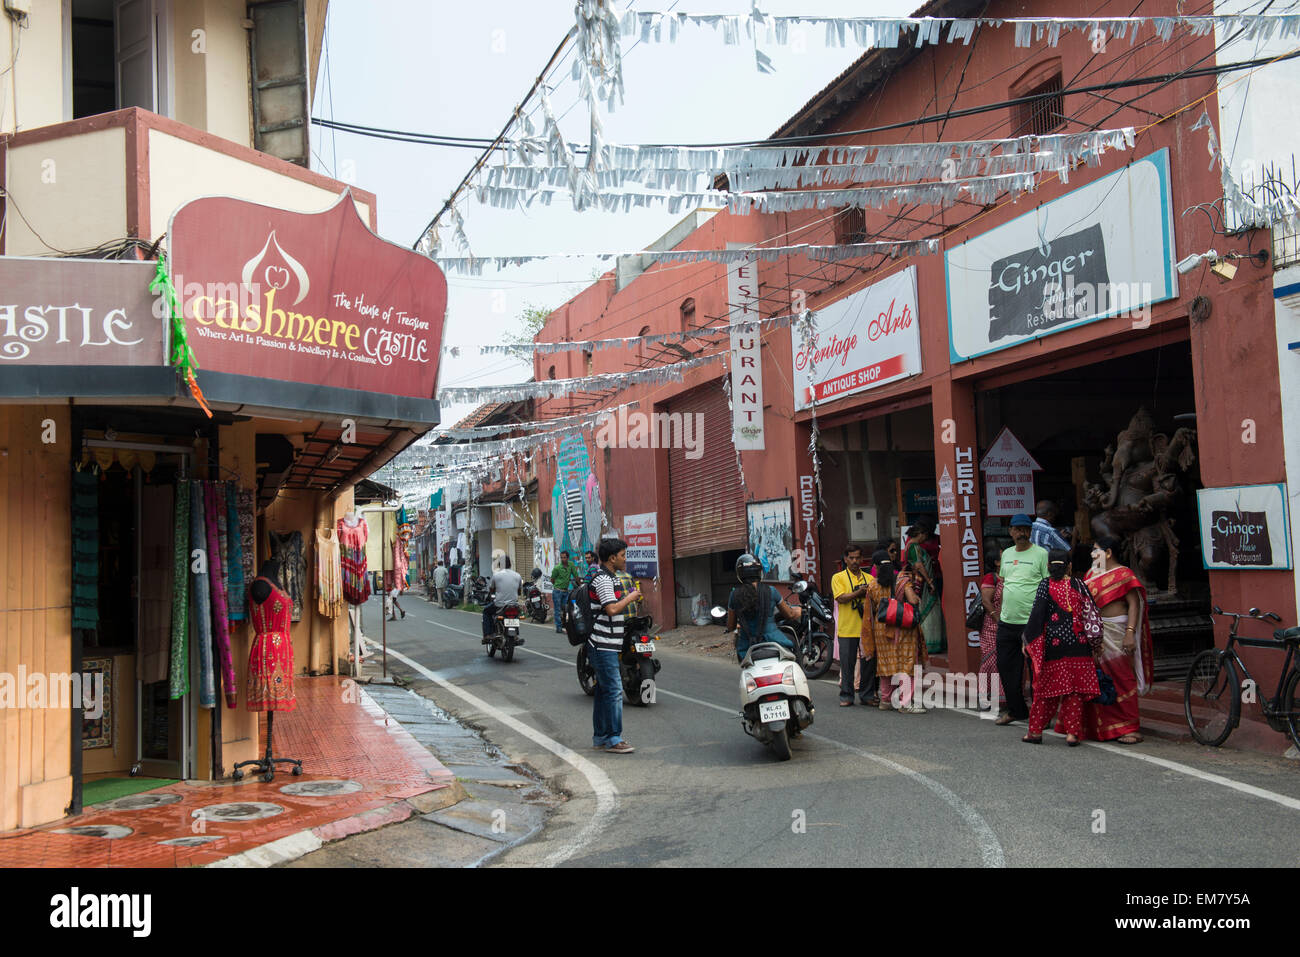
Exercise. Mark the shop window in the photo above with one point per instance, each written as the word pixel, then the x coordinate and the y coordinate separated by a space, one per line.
pixel 851 226
pixel 1043 111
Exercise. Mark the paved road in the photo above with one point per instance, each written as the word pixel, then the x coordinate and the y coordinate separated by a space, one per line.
pixel 869 788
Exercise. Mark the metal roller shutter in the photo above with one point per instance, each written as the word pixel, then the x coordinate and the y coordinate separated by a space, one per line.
pixel 522 558
pixel 708 503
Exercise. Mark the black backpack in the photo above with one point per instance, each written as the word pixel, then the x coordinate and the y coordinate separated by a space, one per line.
pixel 581 613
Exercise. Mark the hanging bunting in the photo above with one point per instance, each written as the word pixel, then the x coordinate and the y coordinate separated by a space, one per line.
pixel 549 425
pixel 1277 206
pixel 551 388
pixel 809 331
pixel 819 253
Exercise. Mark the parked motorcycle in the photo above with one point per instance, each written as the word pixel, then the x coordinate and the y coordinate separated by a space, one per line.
pixel 451 595
pixel 478 591
pixel 535 602
pixel 637 664
pixel 774 699
pixel 505 633
pixel 811 631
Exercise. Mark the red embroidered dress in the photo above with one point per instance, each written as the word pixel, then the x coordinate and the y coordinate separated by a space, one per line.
pixel 270 664
pixel 352 552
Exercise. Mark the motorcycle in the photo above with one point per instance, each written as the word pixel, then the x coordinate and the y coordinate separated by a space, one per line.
pixel 478 591
pixel 535 602
pixel 451 595
pixel 637 665
pixel 810 633
pixel 505 633
pixel 774 699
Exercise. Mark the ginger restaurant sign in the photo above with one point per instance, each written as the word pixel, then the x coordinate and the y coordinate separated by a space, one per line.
pixel 315 298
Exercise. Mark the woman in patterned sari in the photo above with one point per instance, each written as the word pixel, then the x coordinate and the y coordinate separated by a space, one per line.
pixel 897 650
pixel 927 580
pixel 1126 647
pixel 991 597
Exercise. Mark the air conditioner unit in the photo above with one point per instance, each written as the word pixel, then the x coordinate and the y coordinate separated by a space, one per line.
pixel 863 526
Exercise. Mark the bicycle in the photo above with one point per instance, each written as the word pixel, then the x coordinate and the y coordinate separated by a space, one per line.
pixel 1214 683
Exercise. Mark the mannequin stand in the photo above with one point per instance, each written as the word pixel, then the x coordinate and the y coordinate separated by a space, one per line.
pixel 266 765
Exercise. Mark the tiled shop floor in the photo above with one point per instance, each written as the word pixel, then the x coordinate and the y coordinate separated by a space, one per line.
pixel 337 733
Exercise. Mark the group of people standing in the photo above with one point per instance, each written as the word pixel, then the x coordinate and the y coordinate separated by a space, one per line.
pixel 1087 639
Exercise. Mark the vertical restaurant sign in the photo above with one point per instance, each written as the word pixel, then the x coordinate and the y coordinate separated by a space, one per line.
pixel 746 355
pixel 641 532
pixel 863 341
pixel 71 312
pixel 315 298
pixel 1244 527
pixel 1008 476
pixel 1103 250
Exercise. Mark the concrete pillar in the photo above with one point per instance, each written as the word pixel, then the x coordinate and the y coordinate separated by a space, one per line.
pixel 956 466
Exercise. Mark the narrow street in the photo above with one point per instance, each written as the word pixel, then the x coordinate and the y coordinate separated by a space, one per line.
pixel 864 787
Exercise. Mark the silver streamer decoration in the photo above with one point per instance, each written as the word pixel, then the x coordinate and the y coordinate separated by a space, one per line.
pixel 726 388
pixel 1277 207
pixel 587 420
pixel 809 333
pixel 551 388
pixel 980 190
pixel 598 66
pixel 890 32
pixel 474 266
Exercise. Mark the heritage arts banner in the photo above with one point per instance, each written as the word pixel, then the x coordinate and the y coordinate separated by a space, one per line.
pixel 315 298
pixel 863 341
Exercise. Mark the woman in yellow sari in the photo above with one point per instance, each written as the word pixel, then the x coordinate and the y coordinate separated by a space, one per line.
pixel 897 650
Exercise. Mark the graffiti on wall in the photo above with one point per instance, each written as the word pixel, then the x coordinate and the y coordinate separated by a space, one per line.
pixel 576 506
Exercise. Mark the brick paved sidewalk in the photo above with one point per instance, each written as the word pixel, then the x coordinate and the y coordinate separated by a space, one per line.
pixel 359 769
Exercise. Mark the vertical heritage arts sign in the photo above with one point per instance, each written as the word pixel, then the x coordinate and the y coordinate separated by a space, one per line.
pixel 746 355
pixel 315 298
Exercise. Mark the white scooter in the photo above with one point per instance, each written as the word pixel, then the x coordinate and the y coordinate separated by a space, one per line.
pixel 774 699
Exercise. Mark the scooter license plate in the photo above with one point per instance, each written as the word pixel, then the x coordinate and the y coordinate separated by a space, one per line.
pixel 773 711
pixel 512 622
pixel 645 648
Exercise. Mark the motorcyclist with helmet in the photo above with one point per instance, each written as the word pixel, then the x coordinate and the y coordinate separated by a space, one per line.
pixel 751 606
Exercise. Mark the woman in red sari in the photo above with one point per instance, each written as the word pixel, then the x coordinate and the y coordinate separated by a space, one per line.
pixel 1126 647
pixel 991 597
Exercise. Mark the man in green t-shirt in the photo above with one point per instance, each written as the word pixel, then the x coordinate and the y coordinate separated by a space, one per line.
pixel 563 578
pixel 1023 566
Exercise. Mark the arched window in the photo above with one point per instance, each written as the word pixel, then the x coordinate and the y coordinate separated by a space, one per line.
pixel 642 350
pixel 550 373
pixel 587 362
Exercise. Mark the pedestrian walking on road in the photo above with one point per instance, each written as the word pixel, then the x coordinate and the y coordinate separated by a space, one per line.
pixel 849 589
pixel 1064 639
pixel 440 578
pixel 563 578
pixel 1022 568
pixel 610 602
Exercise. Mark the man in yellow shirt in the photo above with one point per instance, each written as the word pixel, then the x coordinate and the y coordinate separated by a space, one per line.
pixel 849 588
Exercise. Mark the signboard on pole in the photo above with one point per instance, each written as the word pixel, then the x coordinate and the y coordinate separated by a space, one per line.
pixel 1008 476
pixel 641 532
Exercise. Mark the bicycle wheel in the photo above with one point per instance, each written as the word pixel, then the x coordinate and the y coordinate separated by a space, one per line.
pixel 1288 704
pixel 1213 690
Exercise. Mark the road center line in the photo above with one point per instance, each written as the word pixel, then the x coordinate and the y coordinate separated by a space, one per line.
pixel 606 792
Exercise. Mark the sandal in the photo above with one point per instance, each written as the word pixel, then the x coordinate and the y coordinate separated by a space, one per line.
pixel 846 704
pixel 1071 740
pixel 1129 739
pixel 1003 719
pixel 1032 740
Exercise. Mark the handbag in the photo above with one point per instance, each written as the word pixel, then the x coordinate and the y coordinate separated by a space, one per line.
pixel 1108 693
pixel 897 614
pixel 975 613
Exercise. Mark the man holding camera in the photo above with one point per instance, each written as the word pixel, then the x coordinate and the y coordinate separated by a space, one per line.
pixel 849 587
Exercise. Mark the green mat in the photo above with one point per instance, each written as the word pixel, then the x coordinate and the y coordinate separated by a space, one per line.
pixel 110 789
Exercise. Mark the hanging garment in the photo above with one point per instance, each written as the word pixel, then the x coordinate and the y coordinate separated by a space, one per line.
pixel 270 663
pixel 244 503
pixel 352 554
pixel 179 660
pixel 213 497
pixel 238 595
pixel 375 560
pixel 286 548
pixel 85 549
pixel 157 559
pixel 329 574
pixel 218 490
pixel 395 577
pixel 202 601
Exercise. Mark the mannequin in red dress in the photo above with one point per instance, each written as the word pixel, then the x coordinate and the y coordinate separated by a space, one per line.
pixel 270 663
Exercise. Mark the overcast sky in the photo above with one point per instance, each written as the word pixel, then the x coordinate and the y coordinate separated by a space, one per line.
pixel 460 69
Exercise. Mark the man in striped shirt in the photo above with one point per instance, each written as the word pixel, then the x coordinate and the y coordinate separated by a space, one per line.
pixel 609 601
